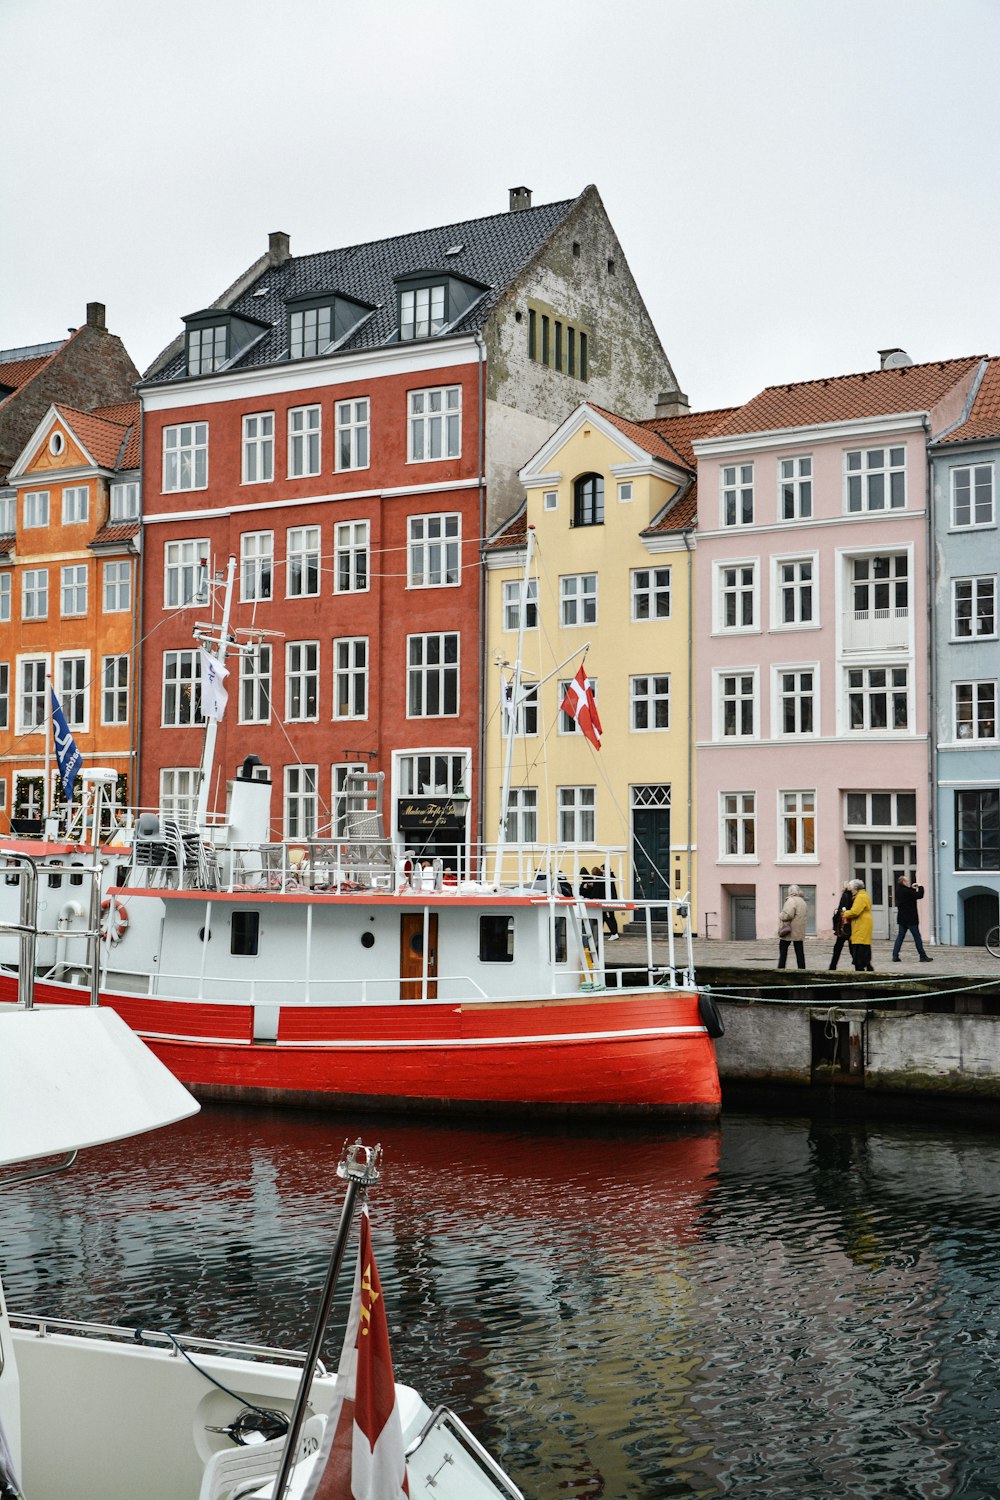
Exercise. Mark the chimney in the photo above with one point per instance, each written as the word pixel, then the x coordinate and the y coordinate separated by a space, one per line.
pixel 520 197
pixel 278 247
pixel 671 404
pixel 894 359
pixel 96 317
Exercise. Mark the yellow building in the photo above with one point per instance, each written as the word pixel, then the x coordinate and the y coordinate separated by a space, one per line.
pixel 611 506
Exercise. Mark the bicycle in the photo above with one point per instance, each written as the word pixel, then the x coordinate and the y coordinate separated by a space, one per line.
pixel 993 942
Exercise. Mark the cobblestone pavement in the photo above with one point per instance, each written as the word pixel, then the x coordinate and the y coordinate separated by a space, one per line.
pixel 759 957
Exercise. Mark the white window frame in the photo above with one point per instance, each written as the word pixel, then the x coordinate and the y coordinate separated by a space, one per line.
pixel 71 680
pixel 303 551
pixel 421 311
pixel 34 693
pixel 126 498
pixel 434 550
pixel 798 695
pixel 116 586
pixel 526 714
pixel 434 424
pixel 300 801
pixel 256 566
pixel 649 693
pixel 181 684
pixel 352 434
pixel 868 467
pixel 115 688
pixel 305 441
pixel 578 595
pixel 982 717
pixel 736 496
pixel 550 499
pixel 351 546
pixel 870 690
pixel 256 684
pixel 6 589
pixel 974 523
pixel 512 605
pixel 795 488
pixel 797 588
pixel 744 584
pixel 4 694
pixel 577 814
pixel 338 797
pixel 35 594
pixel 258 448
pixel 797 813
pixel 625 491
pixel 433 680
pixel 185 572
pixel 73 590
pixel 738 813
pixel 75 504
pixel 36 509
pixel 179 794
pixel 981 584
pixel 302 668
pixel 658 585
pixel 522 816
pixel 746 682
pixel 185 457
pixel 350 677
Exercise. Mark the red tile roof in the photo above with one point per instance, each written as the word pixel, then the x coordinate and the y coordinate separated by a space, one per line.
pixel 17 372
pixel 984 418
pixel 644 436
pixel 117 531
pixel 103 432
pixel 847 398
pixel 680 432
pixel 512 533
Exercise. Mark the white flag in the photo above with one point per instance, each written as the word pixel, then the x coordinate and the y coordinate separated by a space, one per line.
pixel 213 686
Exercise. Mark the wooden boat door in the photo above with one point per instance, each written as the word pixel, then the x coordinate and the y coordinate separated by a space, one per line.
pixel 411 955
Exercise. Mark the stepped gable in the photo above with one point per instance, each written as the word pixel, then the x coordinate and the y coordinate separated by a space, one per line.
pixel 983 420
pixel 848 398
pixel 493 250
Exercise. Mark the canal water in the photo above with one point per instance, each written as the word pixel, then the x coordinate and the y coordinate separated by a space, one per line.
pixel 781 1307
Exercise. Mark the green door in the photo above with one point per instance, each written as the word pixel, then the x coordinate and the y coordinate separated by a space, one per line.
pixel 651 856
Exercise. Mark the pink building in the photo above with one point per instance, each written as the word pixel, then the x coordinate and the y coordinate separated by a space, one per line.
pixel 812 643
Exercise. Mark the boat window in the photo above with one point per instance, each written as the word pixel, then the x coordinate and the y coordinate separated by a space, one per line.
pixel 561 949
pixel 55 879
pixel 368 939
pixel 76 876
pixel 245 932
pixel 496 940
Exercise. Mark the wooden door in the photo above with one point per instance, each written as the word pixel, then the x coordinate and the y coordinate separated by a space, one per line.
pixel 411 955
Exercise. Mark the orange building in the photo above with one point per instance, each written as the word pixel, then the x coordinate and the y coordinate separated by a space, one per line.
pixel 69 553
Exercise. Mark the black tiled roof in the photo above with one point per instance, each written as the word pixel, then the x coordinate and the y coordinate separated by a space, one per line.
pixel 494 251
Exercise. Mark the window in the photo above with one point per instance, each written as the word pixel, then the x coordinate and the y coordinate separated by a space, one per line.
pixel 737 602
pixel 33 695
pixel 496 939
pixel 350 562
pixel 972 496
pixel 36 508
pixel 351 440
pixel 435 424
pixel 35 594
pixel 421 312
pixel 125 496
pixel 737 495
pixel 301 802
pixel 179 795
pixel 651 594
pixel 181 689
pixel 185 573
pixel 244 933
pixel 796 488
pixel 974 607
pixel 8 515
pixel 309 331
pixel 256 565
pixel 114 693
pixel 522 816
pixel 526 716
pixel 550 499
pixel 75 505
pixel 185 457
pixel 737 705
pixel 338 818
pixel 651 702
pixel 576 805
pixel 876 479
pixel 625 492
pixel 588 500
pixel 71 689
pixel 117 578
pixel 258 448
pixel 975 710
pixel 435 551
pixel 578 599
pixel 877 698
pixel 567 724
pixel 554 342
pixel 74 590
pixel 207 348
pixel 877 810
pixel 738 833
pixel 798 825
pixel 432 676
pixel 303 441
pixel 255 685
pixel 795 597
pixel 881 587
pixel 4 695
pixel 796 701
pixel 303 558
pixel 977 827
pixel 301 681
pixel 512 604
pixel 5 596
pixel 350 677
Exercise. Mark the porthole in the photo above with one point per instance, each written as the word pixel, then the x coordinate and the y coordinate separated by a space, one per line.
pixel 368 940
pixel 56 444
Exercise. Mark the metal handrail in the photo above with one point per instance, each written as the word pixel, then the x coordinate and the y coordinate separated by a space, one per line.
pixel 42 1327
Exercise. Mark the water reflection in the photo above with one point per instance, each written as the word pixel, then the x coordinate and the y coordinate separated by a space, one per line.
pixel 781 1308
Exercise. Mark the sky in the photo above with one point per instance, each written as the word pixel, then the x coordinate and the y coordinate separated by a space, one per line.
pixel 796 184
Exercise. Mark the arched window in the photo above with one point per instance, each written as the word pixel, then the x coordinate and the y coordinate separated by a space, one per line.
pixel 588 500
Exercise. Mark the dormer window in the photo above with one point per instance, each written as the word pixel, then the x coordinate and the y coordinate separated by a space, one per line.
pixel 319 321
pixel 207 348
pixel 432 300
pixel 214 339
pixel 421 312
pixel 309 330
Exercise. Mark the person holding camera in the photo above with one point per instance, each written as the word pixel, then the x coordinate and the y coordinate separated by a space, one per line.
pixel 908 893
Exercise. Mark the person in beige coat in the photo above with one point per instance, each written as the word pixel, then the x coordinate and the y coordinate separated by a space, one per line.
pixel 793 916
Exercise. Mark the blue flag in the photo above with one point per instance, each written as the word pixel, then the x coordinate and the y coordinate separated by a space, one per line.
pixel 68 758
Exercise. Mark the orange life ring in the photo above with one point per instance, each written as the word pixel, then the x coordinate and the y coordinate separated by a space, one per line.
pixel 114 919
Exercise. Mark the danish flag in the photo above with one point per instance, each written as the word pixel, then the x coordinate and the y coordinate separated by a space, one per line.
pixel 362 1455
pixel 581 705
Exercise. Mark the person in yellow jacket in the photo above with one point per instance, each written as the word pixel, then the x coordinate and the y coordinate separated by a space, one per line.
pixel 859 914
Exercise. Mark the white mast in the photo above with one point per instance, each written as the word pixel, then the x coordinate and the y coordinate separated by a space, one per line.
pixel 513 704
pixel 212 727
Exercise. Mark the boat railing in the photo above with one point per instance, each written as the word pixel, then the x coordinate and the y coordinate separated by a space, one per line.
pixel 175 1344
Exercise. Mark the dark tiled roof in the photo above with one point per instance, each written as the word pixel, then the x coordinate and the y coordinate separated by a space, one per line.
pixel 494 251
pixel 984 418
pixel 848 398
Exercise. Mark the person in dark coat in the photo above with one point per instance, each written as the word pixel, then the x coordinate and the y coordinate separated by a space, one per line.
pixel 841 926
pixel 606 889
pixel 907 896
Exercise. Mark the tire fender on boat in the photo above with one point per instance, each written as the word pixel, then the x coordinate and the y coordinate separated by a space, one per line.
pixel 711 1017
pixel 114 919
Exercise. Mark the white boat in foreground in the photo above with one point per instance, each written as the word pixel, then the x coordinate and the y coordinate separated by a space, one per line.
pixel 100 1413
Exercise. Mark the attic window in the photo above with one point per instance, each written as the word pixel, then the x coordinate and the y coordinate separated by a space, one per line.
pixel 421 312
pixel 310 330
pixel 56 444
pixel 207 348
pixel 454 250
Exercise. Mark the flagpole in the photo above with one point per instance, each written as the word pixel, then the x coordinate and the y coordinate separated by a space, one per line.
pixel 515 703
pixel 212 727
pixel 47 793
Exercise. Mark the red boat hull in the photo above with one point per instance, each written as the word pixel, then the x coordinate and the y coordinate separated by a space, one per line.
pixel 609 1053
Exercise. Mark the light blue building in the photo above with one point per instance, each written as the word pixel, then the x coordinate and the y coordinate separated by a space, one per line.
pixel 966 668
